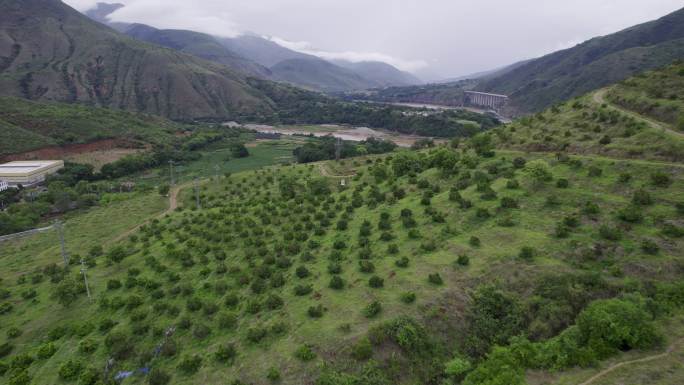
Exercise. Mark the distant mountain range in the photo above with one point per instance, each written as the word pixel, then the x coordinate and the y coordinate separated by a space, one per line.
pixel 261 57
pixel 533 85
pixel 49 51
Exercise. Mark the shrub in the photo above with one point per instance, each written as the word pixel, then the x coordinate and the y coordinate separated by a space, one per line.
pixel 435 279
pixel 227 320
pixel 302 272
pixel 463 260
pixel 366 266
pixel 46 350
pixel 70 370
pixel 376 282
pixel 190 364
pixel 631 214
pixel 302 290
pixel 512 184
pixel 402 262
pixel 610 233
pixel 672 230
pixel 256 334
pixel 660 179
pixel 474 241
pixel 591 208
pixel 539 171
pixel 482 213
pixel 158 377
pixel 372 309
pixel 649 247
pixel 225 353
pixel 315 311
pixel 362 350
pixel 89 376
pixel 274 302
pixel 87 346
pixel 408 297
pixel 201 331
pixel 113 284
pixel 304 353
pixel 336 283
pixel 607 326
pixel 642 197
pixel 509 203
pixel 562 183
pixel 273 374
pixel 526 253
pixel 519 162
pixel 595 171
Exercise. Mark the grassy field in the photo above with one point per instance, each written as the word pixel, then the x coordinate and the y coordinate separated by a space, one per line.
pixel 216 159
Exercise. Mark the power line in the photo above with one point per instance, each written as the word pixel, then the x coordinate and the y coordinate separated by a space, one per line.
pixel 171 172
pixel 197 197
pixel 60 233
pixel 84 269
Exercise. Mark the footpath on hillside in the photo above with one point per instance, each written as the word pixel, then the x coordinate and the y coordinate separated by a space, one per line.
pixel 599 97
pixel 619 365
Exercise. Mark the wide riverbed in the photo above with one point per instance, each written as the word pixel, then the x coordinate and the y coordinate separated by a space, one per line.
pixel 356 134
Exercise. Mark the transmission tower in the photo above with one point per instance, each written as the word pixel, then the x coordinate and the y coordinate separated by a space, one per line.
pixel 338 149
pixel 60 233
pixel 197 197
pixel 84 269
pixel 171 172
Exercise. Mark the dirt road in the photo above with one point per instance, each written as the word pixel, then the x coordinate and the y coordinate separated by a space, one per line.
pixel 599 97
pixel 173 204
pixel 632 362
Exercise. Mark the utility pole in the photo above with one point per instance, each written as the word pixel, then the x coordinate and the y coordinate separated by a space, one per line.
pixel 60 233
pixel 197 197
pixel 338 149
pixel 171 172
pixel 84 269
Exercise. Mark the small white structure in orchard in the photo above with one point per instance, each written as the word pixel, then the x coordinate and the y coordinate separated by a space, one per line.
pixel 3 185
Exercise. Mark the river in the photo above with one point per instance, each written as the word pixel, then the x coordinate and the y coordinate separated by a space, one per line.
pixel 355 134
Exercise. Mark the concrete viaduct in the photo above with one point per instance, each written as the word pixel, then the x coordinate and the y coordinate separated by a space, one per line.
pixel 483 99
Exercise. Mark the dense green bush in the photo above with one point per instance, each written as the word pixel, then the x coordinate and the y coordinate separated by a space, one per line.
pixel 225 353
pixel 190 364
pixel 305 353
pixel 372 309
pixel 70 370
pixel 376 282
pixel 362 350
pixel 315 311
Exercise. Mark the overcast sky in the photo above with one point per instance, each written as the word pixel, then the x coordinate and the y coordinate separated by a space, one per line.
pixel 433 38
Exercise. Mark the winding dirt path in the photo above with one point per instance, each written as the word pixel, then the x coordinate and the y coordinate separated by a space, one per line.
pixel 632 362
pixel 599 97
pixel 173 204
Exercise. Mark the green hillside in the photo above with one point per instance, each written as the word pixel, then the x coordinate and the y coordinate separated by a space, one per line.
pixel 461 264
pixel 28 125
pixel 656 94
pixel 608 122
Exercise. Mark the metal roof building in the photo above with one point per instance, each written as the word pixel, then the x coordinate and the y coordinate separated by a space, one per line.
pixel 28 173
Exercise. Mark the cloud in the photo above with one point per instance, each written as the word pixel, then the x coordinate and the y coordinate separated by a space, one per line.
pixel 352 56
pixel 455 37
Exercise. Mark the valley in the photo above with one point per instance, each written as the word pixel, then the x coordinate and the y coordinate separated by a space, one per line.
pixel 234 211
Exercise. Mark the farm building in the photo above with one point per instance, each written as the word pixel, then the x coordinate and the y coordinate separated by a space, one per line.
pixel 28 173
